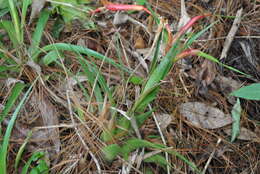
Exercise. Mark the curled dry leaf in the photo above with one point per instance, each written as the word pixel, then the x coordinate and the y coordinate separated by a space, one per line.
pixel 245 134
pixel 226 86
pixel 204 116
pixel 207 73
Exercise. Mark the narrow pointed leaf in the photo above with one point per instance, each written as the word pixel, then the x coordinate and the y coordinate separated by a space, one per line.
pixel 14 94
pixel 250 92
pixel 4 147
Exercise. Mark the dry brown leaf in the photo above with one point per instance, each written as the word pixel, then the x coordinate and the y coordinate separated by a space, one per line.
pixel 226 86
pixel 207 73
pixel 245 134
pixel 204 116
pixel 49 117
pixel 37 6
pixel 164 120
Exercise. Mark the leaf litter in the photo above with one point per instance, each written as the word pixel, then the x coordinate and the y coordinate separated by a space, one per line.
pixel 204 116
pixel 74 158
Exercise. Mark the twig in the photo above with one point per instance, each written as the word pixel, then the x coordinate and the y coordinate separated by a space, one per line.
pixel 231 34
pixel 162 137
pixel 211 156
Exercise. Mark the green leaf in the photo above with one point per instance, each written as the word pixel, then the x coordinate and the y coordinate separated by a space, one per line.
pixel 41 168
pixel 135 143
pixel 26 4
pixel 4 68
pixel 14 94
pixel 145 98
pixel 236 114
pixel 155 59
pixel 163 68
pixel 4 147
pixel 3 11
pixel 140 2
pixel 79 50
pixel 21 150
pixel 51 57
pixel 9 28
pixel 57 27
pixel 197 35
pixel 213 59
pixel 71 10
pixel 102 82
pixel 250 92
pixel 159 160
pixel 15 20
pixel 111 151
pixel 148 170
pixel 136 80
pixel 140 119
pixel 37 35
pixel 91 76
pixel 36 156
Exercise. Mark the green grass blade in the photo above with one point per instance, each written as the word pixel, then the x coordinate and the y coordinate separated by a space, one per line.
pixel 156 53
pixel 3 11
pixel 163 68
pixel 15 19
pixel 213 59
pixel 51 57
pixel 36 156
pixel 37 35
pixel 111 151
pixel 145 98
pixel 26 4
pixel 41 168
pixel 159 160
pixel 4 68
pixel 9 28
pixel 91 76
pixel 140 119
pixel 81 50
pixel 4 147
pixel 236 114
pixel 15 93
pixel 134 143
pixel 103 84
pixel 197 35
pixel 21 150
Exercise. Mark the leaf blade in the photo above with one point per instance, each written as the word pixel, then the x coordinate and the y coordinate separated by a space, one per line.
pixel 250 92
